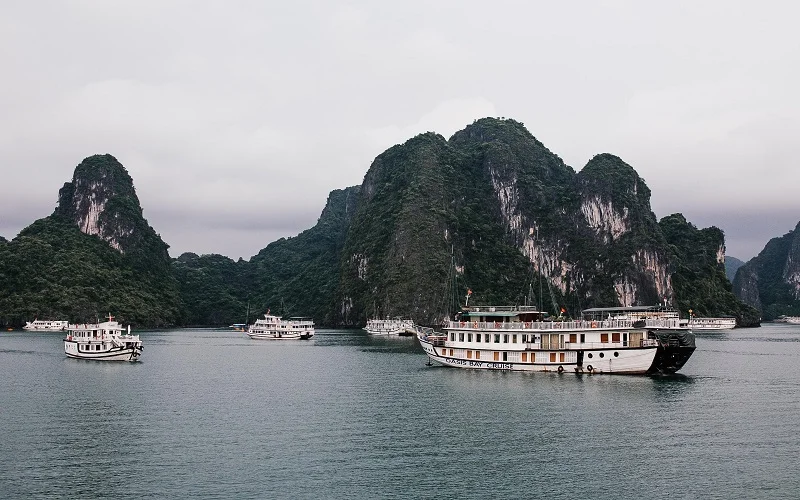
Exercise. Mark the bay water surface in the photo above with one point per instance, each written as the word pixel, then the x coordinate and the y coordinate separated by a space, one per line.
pixel 212 414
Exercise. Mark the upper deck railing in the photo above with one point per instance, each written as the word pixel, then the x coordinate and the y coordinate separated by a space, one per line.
pixel 566 325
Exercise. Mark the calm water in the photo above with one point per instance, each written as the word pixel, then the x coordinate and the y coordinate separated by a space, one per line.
pixel 213 414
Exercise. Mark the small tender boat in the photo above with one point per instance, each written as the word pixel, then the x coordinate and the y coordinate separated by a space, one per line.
pixel 394 326
pixel 105 341
pixel 638 340
pixel 274 328
pixel 39 325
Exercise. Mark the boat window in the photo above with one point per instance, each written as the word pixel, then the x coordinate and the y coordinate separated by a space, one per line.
pixel 513 339
pixel 602 355
pixel 505 339
pixel 552 357
pixel 583 338
pixel 469 337
pixel 486 338
pixel 616 354
pixel 477 354
pixel 461 336
pixel 615 337
pixel 561 357
pixel 589 355
pixel 452 336
pixel 625 338
pixel 496 356
pixel 505 356
pixel 524 357
pixel 573 338
pixel 604 338
pixel 469 354
pixel 497 338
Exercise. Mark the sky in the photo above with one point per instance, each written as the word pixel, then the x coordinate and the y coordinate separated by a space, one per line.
pixel 235 119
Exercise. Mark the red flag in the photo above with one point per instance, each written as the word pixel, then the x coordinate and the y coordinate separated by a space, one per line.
pixel 469 292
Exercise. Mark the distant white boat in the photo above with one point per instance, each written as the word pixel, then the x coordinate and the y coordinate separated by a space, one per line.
pixel 795 320
pixel 105 341
pixel 39 325
pixel 274 328
pixel 394 326
pixel 712 323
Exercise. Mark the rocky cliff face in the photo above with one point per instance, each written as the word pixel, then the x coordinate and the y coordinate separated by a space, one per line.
pixel 93 256
pixel 770 281
pixel 102 201
pixel 495 210
pixel 699 278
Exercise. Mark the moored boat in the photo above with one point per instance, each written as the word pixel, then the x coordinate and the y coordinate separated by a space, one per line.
pixel 519 338
pixel 275 328
pixel 39 325
pixel 106 341
pixel 391 326
pixel 696 323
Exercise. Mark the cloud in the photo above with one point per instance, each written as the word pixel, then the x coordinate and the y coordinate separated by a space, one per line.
pixel 247 115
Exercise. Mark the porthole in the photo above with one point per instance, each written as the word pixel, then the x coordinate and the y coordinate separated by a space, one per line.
pixel 589 355
pixel 602 355
pixel 616 354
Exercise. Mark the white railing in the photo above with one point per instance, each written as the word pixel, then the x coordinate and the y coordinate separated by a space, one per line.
pixel 563 325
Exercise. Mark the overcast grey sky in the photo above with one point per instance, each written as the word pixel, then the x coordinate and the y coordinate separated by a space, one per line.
pixel 236 119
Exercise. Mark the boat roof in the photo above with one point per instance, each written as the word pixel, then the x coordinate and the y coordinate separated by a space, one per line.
pixel 626 309
pixel 499 311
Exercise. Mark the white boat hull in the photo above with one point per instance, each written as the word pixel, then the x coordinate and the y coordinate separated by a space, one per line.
pixel 110 354
pixel 631 361
pixel 273 336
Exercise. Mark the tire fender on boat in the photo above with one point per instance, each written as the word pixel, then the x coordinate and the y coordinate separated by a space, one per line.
pixel 589 368
pixel 560 369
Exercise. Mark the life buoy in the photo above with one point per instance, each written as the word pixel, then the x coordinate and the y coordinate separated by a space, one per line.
pixel 560 369
pixel 594 324
pixel 528 324
pixel 589 368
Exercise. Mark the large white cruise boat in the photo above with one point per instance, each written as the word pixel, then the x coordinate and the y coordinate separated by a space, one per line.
pixel 712 323
pixel 518 338
pixel 393 326
pixel 274 328
pixel 39 325
pixel 105 341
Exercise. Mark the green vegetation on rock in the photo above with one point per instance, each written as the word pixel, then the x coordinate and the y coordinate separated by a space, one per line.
pixel 699 279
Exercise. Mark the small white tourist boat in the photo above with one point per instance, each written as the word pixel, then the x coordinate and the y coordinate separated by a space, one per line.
pixel 712 323
pixel 518 338
pixel 105 341
pixel 274 328
pixel 393 326
pixel 39 325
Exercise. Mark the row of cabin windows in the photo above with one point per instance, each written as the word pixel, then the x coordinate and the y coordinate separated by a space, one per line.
pixel 87 333
pixel 87 348
pixel 488 338
pixel 553 357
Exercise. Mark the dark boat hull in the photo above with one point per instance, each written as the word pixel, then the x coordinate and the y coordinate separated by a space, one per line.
pixel 674 350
